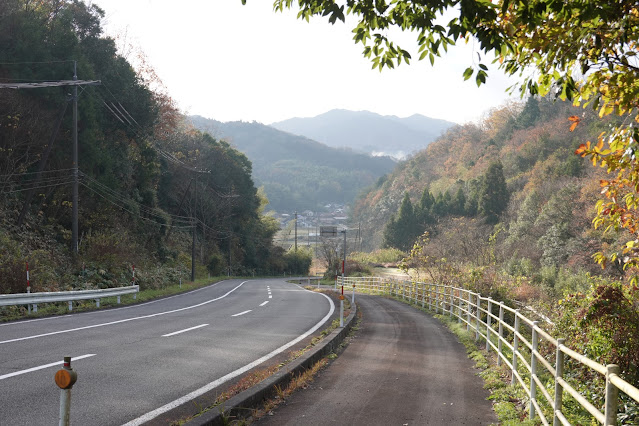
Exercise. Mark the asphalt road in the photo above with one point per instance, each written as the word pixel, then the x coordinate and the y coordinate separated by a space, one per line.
pixel 135 360
pixel 403 367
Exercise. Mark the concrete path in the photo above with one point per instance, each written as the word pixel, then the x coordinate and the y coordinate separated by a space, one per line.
pixel 402 368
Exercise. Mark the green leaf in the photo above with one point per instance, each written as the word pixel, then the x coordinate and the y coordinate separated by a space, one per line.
pixel 468 73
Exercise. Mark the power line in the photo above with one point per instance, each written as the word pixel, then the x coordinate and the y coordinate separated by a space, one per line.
pixel 33 173
pixel 37 62
pixel 108 192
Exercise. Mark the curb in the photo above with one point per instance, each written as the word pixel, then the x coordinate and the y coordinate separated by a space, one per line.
pixel 242 404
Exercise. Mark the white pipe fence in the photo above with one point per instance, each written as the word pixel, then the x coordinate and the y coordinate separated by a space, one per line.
pixel 516 340
pixel 32 299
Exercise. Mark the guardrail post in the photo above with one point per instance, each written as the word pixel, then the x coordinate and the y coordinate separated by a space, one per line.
pixel 513 379
pixel 501 332
pixel 612 396
pixel 559 374
pixel 97 303
pixel 70 305
pixel 478 317
pixel 489 312
pixel 533 369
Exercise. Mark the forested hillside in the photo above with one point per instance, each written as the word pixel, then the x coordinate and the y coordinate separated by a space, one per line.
pixel 297 172
pixel 514 176
pixel 145 177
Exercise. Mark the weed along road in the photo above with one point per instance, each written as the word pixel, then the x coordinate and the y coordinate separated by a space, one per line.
pixel 136 362
pixel 403 367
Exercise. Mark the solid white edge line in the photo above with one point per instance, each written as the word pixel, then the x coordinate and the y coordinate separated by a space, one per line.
pixel 242 313
pixel 124 320
pixel 184 331
pixel 188 397
pixel 41 367
pixel 263 303
pixel 101 311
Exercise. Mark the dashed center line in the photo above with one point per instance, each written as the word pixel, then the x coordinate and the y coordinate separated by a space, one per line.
pixel 270 297
pixel 263 303
pixel 242 313
pixel 184 331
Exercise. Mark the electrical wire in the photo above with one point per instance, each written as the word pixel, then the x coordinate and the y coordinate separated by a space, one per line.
pixel 50 185
pixel 108 192
pixel 34 173
pixel 134 213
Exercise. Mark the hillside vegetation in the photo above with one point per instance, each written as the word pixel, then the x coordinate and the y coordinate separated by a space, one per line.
pixel 298 173
pixel 531 146
pixel 146 178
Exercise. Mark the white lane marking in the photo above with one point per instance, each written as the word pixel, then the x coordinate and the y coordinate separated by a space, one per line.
pixel 123 320
pixel 184 331
pixel 242 313
pixel 204 389
pixel 270 297
pixel 41 367
pixel 114 309
pixel 263 303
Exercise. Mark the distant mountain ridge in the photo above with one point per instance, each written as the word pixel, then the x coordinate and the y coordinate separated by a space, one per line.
pixel 297 172
pixel 368 132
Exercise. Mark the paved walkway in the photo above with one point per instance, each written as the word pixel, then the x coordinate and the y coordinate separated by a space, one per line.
pixel 402 368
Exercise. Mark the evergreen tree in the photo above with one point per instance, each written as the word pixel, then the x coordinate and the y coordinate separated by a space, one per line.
pixel 423 212
pixel 401 232
pixel 459 202
pixel 529 115
pixel 493 193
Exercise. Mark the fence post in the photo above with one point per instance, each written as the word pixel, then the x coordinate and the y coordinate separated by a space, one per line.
pixel 488 320
pixel 459 306
pixel 452 301
pixel 478 317
pixel 533 369
pixel 501 332
pixel 513 379
pixel 612 396
pixel 423 294
pixel 559 374
pixel 468 302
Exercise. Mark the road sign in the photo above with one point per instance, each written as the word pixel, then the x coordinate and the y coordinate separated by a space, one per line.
pixel 328 231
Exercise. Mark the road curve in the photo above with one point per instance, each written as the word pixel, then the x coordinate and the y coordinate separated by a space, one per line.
pixel 402 368
pixel 133 360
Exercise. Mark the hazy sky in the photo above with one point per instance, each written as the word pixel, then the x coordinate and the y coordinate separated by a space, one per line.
pixel 226 61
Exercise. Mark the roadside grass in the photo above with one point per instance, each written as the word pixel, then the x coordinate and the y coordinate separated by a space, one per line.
pixel 12 313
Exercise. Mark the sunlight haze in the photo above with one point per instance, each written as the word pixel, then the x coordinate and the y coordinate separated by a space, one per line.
pixel 230 62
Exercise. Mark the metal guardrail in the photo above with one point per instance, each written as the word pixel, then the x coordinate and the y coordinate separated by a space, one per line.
pixel 516 344
pixel 66 296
